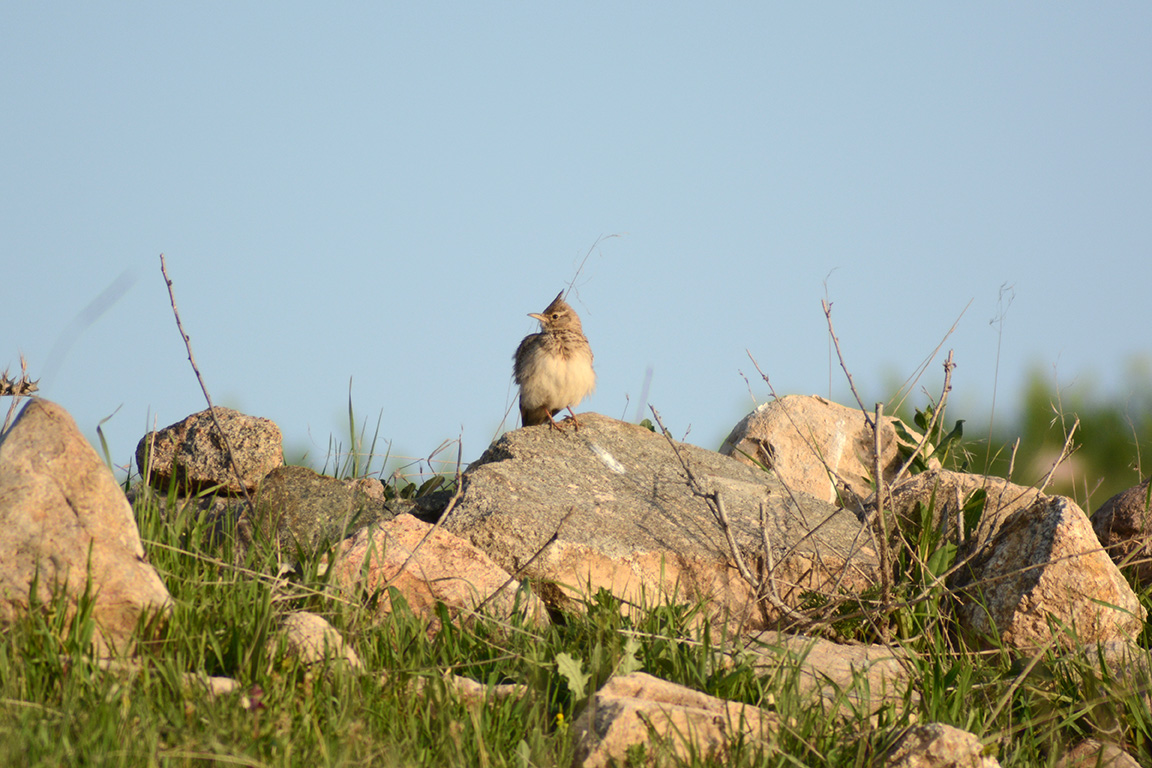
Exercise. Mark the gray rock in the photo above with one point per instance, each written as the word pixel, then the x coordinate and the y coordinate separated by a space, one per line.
pixel 192 453
pixel 295 505
pixel 934 745
pixel 62 518
pixel 1124 524
pixel 610 507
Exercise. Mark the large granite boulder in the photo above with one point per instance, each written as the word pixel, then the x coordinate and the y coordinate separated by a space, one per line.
pixel 610 507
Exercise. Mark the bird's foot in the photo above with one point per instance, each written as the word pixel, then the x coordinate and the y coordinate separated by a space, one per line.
pixel 572 418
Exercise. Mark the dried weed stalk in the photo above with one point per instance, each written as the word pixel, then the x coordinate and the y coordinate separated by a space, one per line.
pixel 204 388
pixel 16 389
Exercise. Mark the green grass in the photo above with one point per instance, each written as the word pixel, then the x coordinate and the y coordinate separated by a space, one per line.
pixel 57 707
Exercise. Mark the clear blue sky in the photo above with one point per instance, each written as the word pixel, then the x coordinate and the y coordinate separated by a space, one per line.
pixel 382 192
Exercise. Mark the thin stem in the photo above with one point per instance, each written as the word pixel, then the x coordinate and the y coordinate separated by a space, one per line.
pixel 204 388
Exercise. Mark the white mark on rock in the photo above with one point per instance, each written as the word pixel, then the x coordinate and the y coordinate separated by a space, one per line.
pixel 608 459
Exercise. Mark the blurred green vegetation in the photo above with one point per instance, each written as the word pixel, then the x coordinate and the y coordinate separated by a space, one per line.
pixel 1111 448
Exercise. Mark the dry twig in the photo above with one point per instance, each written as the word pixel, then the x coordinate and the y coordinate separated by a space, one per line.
pixel 765 588
pixel 444 515
pixel 937 415
pixel 1065 452
pixel 204 388
pixel 880 517
pixel 16 389
pixel 851 384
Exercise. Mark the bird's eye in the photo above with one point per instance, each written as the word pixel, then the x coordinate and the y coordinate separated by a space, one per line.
pixel 555 315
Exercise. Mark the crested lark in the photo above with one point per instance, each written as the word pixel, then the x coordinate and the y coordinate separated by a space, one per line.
pixel 553 367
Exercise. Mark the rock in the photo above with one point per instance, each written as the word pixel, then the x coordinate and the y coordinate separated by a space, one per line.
pixel 934 745
pixel 1045 564
pixel 1124 526
pixel 63 517
pixel 948 492
pixel 474 693
pixel 192 453
pixel 663 717
pixel 295 505
pixel 216 686
pixel 312 639
pixel 810 442
pixel 1094 754
pixel 1121 667
pixel 1041 566
pixel 470 692
pixel 1031 559
pixel 609 507
pixel 867 677
pixel 445 569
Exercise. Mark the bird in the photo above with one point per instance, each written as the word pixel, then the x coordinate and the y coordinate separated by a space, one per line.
pixel 553 367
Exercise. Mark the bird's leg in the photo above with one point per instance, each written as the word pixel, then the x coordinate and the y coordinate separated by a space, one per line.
pixel 552 421
pixel 575 423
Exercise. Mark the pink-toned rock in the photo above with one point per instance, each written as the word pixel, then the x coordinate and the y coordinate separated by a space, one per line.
pixel 63 518
pixel 312 639
pixel 816 446
pixel 1031 561
pixel 948 492
pixel 866 677
pixel 1091 753
pixel 1042 568
pixel 192 453
pixel 665 718
pixel 444 569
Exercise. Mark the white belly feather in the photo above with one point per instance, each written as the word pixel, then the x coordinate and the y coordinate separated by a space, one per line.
pixel 557 383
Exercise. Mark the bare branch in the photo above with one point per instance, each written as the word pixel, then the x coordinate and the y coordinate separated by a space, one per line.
pixel 937 415
pixel 880 516
pixel 764 588
pixel 1065 451
pixel 16 389
pixel 851 384
pixel 769 583
pixel 444 515
pixel 910 382
pixel 204 388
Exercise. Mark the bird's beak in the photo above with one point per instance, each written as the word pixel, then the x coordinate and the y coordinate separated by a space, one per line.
pixel 536 315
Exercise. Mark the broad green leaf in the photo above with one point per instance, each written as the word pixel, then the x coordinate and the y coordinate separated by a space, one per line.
pixel 629 662
pixel 572 670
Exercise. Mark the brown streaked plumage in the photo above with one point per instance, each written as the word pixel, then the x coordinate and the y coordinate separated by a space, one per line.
pixel 554 367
